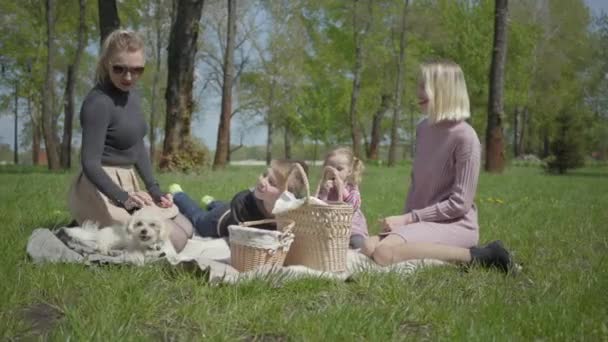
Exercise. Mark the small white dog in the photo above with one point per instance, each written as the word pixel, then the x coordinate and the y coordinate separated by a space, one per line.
pixel 143 233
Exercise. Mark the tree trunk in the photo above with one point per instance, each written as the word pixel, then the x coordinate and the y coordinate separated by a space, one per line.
pixel 287 141
pixel 66 142
pixel 269 142
pixel 72 78
pixel 223 131
pixel 495 156
pixel 392 150
pixel 180 60
pixel 362 129
pixel 50 139
pixel 153 109
pixel 354 123
pixel 546 144
pixel 385 102
pixel 269 118
pixel 16 135
pixel 35 132
pixel 108 18
pixel 516 128
pixel 524 131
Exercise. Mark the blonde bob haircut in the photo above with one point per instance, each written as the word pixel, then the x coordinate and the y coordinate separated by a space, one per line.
pixel 115 42
pixel 446 90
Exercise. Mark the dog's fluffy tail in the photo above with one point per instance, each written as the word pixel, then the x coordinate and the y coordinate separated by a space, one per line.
pixel 86 234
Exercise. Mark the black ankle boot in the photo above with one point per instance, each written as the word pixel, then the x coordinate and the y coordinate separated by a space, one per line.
pixel 72 224
pixel 493 254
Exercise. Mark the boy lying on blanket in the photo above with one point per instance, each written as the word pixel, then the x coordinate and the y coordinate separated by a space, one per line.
pixel 247 205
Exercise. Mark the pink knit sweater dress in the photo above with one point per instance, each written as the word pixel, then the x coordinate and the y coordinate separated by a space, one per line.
pixel 444 182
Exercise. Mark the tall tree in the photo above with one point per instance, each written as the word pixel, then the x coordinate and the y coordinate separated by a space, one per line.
pixel 374 143
pixel 50 138
pixel 495 156
pixel 287 142
pixel 223 133
pixel 397 106
pixel 16 133
pixel 271 115
pixel 72 77
pixel 108 18
pixel 516 127
pixel 181 56
pixel 359 31
pixel 34 115
pixel 159 42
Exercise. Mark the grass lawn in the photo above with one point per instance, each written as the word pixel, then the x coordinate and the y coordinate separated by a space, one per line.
pixel 557 227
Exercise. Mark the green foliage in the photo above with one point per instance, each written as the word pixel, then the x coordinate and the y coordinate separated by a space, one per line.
pixel 567 147
pixel 192 156
pixel 298 58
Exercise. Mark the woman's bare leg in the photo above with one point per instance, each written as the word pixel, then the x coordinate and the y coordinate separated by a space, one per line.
pixel 394 249
pixel 185 224
pixel 177 235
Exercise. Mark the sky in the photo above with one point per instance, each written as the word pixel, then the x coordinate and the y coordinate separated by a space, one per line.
pixel 206 123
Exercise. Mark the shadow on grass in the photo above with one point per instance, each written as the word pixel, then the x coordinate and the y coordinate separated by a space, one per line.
pixel 41 319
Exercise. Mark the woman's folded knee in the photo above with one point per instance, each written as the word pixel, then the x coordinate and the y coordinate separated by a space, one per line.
pixel 369 245
pixel 383 255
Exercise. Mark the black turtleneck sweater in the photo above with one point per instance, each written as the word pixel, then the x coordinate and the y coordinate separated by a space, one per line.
pixel 113 130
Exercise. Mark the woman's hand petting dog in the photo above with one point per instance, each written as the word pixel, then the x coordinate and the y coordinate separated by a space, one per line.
pixel 138 199
pixel 166 201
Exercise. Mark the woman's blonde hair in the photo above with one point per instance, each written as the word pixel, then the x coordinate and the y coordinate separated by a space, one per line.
pixel 356 165
pixel 117 41
pixel 282 167
pixel 446 90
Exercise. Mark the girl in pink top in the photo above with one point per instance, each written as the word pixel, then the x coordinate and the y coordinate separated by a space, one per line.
pixel 440 216
pixel 348 169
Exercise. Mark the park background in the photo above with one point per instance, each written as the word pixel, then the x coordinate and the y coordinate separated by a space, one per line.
pixel 317 74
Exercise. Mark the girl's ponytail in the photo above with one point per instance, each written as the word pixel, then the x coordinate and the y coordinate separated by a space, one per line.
pixel 357 170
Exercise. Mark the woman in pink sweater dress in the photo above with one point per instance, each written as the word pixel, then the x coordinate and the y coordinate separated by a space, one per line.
pixel 440 217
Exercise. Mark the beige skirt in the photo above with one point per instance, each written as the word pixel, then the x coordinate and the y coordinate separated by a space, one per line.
pixel 86 202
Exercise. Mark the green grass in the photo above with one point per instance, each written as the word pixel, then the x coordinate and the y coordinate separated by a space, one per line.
pixel 556 225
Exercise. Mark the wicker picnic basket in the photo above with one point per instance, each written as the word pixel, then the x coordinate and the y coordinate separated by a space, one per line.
pixel 321 232
pixel 251 247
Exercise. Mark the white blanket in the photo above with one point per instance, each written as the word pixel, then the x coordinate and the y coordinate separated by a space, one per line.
pixel 213 257
pixel 208 257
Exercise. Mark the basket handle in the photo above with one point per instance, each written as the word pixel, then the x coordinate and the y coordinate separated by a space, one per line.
pixel 339 184
pixel 297 167
pixel 287 229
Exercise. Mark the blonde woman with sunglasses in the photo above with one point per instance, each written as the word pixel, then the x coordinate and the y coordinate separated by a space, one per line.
pixel 107 190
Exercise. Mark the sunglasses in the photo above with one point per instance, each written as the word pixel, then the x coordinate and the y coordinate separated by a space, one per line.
pixel 123 69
